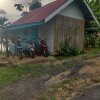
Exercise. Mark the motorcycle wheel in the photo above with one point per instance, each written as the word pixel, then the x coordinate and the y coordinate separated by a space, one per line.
pixel 20 57
pixel 46 54
pixel 32 54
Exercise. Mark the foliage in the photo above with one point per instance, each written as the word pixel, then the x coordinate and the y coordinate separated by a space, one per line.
pixel 2 35
pixel 3 20
pixel 34 4
pixel 98 42
pixel 24 13
pixel 95 6
pixel 91 37
pixel 66 50
pixel 19 7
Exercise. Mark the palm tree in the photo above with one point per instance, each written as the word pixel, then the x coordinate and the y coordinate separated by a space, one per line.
pixel 2 22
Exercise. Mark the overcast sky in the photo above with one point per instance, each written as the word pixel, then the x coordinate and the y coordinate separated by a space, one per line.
pixel 8 6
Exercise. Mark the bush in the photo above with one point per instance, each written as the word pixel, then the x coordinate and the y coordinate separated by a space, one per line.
pixel 66 50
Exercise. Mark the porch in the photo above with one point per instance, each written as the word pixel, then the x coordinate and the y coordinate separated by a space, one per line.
pixel 33 33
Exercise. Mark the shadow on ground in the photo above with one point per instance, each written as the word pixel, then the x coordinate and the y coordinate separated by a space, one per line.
pixel 92 93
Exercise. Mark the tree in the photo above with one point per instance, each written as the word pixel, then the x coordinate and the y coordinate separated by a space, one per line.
pixel 95 6
pixel 19 7
pixel 91 26
pixel 34 4
pixel 2 22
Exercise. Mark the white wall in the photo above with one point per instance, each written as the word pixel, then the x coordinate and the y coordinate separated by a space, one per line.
pixel 73 11
pixel 46 31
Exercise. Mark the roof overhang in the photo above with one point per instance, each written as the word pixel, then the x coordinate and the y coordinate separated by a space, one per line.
pixel 22 26
pixel 4 28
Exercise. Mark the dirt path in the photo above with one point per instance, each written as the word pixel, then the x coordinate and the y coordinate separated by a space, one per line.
pixel 31 88
pixel 81 79
pixel 92 93
pixel 23 90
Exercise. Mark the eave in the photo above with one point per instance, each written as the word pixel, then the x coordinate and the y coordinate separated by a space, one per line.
pixel 22 26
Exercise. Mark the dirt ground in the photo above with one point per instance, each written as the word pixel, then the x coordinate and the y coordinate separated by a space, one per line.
pixel 23 90
pixel 86 85
pixel 26 60
pixel 92 93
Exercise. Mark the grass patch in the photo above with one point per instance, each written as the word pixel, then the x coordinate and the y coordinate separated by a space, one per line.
pixel 92 52
pixel 88 53
pixel 12 73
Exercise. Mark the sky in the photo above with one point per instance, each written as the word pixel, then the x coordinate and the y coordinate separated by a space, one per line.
pixel 12 13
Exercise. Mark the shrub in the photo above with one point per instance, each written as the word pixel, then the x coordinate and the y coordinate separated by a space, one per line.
pixel 66 50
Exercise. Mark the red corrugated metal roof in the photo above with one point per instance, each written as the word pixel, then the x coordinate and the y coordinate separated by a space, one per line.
pixel 40 14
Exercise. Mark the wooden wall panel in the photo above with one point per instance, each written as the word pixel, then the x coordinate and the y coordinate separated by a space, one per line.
pixel 70 30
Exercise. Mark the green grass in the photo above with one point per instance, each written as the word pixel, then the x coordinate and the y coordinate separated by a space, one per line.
pixel 93 52
pixel 11 73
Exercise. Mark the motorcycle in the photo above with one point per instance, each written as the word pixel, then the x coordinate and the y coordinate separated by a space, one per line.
pixel 44 48
pixel 30 50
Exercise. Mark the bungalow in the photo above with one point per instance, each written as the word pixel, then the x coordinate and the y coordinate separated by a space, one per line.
pixel 59 21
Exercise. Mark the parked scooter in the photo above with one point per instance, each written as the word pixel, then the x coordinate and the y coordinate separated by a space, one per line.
pixel 44 48
pixel 31 49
